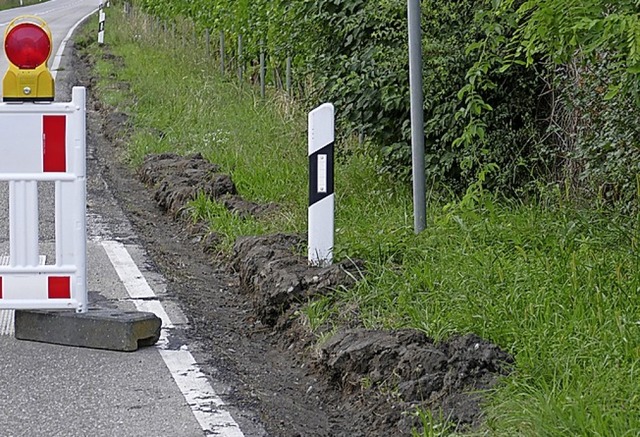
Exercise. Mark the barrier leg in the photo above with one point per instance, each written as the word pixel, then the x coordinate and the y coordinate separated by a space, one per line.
pixel 71 234
pixel 23 224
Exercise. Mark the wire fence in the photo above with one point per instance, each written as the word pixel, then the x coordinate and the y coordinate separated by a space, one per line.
pixel 262 70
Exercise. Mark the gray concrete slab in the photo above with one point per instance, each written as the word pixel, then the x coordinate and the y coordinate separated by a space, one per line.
pixel 98 328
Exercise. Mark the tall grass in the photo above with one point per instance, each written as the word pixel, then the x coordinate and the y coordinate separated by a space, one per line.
pixel 556 285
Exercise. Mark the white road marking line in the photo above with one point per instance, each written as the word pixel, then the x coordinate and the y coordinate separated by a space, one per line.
pixel 128 271
pixel 206 405
pixel 58 58
pixel 204 402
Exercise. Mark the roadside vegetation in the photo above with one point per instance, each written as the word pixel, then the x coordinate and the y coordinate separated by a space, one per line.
pixel 547 267
pixel 9 4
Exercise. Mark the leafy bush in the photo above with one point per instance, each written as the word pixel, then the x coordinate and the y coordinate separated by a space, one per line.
pixel 491 83
pixel 598 138
pixel 591 49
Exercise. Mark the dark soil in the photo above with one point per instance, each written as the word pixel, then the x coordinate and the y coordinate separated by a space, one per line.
pixel 244 312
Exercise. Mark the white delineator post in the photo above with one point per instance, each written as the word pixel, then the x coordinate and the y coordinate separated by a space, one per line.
pixel 321 188
pixel 101 19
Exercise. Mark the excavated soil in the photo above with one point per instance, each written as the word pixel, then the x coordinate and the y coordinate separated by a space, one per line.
pixel 245 319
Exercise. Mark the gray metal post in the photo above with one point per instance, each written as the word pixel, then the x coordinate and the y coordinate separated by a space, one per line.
pixel 207 42
pixel 414 14
pixel 240 61
pixel 288 76
pixel 262 70
pixel 222 52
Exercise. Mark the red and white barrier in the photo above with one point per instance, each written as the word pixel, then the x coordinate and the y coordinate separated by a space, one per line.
pixel 45 143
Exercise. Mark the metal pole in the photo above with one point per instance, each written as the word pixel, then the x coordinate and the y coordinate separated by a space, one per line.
pixel 417 115
pixel 222 52
pixel 262 70
pixel 288 76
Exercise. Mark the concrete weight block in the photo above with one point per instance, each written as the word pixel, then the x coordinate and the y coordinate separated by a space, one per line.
pixel 110 329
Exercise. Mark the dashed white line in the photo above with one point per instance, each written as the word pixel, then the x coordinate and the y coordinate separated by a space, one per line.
pixel 128 271
pixel 7 318
pixel 206 405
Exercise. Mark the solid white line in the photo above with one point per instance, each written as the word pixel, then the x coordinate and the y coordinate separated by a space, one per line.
pixel 206 405
pixel 58 58
pixel 204 402
pixel 128 271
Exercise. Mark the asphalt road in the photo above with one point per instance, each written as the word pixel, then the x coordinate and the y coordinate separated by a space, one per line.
pixel 51 390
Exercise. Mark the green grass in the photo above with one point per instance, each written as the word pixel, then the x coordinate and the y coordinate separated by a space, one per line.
pixel 227 225
pixel 9 4
pixel 556 285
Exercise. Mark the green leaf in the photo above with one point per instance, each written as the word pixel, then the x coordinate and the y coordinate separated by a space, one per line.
pixel 612 92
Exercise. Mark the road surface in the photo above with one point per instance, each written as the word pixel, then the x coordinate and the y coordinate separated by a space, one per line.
pixel 50 390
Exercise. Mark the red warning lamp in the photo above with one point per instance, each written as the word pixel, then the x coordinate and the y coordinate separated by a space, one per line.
pixel 27 44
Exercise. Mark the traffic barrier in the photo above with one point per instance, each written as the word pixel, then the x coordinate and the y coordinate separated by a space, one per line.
pixel 45 143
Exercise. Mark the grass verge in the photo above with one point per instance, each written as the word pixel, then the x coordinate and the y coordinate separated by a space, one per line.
pixel 555 285
pixel 10 4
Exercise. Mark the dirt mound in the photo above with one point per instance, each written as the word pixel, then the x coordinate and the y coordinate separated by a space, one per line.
pixel 392 374
pixel 381 377
pixel 178 180
pixel 279 281
pixel 387 375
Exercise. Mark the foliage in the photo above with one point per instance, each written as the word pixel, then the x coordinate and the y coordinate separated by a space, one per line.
pixel 557 286
pixel 591 51
pixel 490 67
pixel 596 138
pixel 356 53
pixel 361 54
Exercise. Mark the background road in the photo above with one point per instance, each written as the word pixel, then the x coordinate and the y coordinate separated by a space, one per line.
pixel 50 390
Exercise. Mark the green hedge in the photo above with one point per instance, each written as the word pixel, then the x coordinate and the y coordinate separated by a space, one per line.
pixel 489 68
